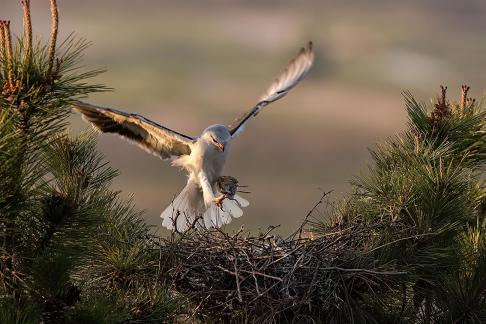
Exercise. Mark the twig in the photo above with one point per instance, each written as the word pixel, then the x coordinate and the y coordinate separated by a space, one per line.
pixel 264 292
pixel 252 273
pixel 240 298
pixel 286 255
pixel 366 271
pixel 399 240
pixel 309 214
pixel 225 270
pixel 263 275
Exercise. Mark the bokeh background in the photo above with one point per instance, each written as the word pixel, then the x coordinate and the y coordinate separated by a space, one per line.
pixel 188 64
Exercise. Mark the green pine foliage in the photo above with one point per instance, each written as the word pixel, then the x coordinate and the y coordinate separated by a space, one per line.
pixel 426 192
pixel 71 250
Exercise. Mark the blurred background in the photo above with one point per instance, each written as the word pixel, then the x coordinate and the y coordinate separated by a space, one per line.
pixel 188 64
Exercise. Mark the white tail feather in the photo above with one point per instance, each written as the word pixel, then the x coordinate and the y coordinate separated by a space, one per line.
pixel 242 202
pixel 181 213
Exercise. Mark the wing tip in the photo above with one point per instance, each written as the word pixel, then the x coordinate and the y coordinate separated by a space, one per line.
pixel 309 47
pixel 309 52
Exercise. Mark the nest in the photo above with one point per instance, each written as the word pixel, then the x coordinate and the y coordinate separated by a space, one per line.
pixel 266 278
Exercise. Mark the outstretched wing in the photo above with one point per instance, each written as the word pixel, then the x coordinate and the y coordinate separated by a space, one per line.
pixel 293 73
pixel 150 136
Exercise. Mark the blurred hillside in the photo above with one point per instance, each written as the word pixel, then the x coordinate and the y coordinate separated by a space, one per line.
pixel 190 65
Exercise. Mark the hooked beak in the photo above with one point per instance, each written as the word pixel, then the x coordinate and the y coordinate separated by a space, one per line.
pixel 220 146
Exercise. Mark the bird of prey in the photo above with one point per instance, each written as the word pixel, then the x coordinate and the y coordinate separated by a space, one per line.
pixel 200 203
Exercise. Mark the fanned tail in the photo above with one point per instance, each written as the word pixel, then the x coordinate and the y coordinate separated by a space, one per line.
pixel 187 208
pixel 182 212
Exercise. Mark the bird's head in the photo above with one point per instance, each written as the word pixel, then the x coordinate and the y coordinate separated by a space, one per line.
pixel 217 135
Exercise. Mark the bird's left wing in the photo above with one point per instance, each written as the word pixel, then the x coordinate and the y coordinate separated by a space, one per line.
pixel 293 73
pixel 152 137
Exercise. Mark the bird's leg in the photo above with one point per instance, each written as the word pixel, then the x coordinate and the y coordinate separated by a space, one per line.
pixel 207 189
pixel 219 200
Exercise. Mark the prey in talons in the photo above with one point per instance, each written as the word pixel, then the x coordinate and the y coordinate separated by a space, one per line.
pixel 228 186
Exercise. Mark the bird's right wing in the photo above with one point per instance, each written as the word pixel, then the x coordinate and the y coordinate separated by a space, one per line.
pixel 152 137
pixel 293 73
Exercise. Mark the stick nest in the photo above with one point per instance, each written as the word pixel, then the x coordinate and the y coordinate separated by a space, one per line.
pixel 266 278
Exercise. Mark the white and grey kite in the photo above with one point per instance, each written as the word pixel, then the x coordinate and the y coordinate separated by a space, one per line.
pixel 202 157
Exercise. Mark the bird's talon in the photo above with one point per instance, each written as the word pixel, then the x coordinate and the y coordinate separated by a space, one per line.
pixel 219 201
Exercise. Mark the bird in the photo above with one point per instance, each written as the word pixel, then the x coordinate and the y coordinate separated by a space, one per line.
pixel 201 203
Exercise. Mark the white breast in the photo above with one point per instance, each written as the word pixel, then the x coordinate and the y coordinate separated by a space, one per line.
pixel 213 163
pixel 204 157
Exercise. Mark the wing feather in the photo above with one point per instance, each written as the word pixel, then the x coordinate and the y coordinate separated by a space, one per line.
pixel 150 136
pixel 290 76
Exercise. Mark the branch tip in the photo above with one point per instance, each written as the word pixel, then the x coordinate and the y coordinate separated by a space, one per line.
pixel 7 36
pixel 53 39
pixel 27 29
